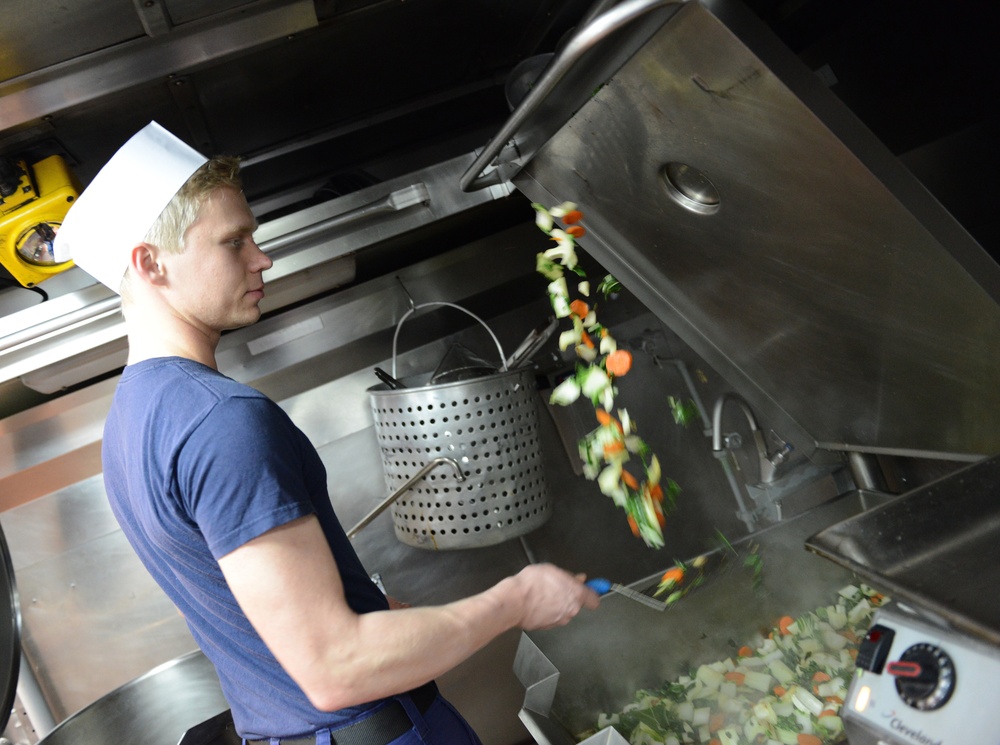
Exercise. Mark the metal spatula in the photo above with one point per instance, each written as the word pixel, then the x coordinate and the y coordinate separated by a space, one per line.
pixel 744 557
pixel 603 587
pixel 698 572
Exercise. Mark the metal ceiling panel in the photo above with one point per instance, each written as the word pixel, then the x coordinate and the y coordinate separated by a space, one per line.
pixel 186 11
pixel 38 34
pixel 130 65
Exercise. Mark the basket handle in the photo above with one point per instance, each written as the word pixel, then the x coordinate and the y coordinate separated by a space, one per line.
pixel 414 308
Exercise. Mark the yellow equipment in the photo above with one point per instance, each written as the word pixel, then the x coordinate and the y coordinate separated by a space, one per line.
pixel 30 216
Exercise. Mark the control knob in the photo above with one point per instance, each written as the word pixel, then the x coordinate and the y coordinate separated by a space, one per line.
pixel 925 676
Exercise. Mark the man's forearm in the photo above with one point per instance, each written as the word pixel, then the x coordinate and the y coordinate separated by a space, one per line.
pixel 394 651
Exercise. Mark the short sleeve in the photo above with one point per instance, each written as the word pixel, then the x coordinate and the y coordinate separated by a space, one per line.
pixel 242 472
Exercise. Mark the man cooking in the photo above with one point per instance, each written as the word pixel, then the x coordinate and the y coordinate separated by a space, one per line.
pixel 225 500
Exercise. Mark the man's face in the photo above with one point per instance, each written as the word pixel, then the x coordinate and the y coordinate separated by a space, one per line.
pixel 215 283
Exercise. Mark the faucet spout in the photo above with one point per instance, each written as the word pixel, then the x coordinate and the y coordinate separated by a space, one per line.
pixel 720 404
pixel 768 463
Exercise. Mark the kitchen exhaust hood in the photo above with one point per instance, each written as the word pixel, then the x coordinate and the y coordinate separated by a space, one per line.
pixel 728 189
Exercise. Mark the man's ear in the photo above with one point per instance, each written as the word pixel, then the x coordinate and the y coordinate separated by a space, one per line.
pixel 145 264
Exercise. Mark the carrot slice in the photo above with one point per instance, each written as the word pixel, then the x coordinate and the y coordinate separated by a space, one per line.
pixel 634 526
pixel 819 677
pixel 618 362
pixel 603 417
pixel 577 231
pixel 572 216
pixel 674 575
pixel 615 446
pixel 579 308
pixel 745 652
pixel 629 480
pixel 716 722
pixel 808 740
pixel 779 691
pixel 736 677
pixel 783 623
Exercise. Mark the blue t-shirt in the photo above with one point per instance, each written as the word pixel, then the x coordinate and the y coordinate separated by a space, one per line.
pixel 196 465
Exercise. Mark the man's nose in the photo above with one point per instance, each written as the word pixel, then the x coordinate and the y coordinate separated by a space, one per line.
pixel 262 262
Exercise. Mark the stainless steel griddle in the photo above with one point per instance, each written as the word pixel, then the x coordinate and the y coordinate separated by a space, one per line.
pixel 937 547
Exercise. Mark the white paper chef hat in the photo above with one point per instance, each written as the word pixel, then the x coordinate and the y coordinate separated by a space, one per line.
pixel 116 210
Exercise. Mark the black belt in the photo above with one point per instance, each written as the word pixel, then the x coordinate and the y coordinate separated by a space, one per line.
pixel 384 726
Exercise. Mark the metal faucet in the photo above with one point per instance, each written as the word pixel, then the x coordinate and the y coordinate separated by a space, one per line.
pixel 769 463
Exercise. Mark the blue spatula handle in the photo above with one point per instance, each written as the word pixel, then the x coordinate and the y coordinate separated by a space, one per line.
pixel 599 585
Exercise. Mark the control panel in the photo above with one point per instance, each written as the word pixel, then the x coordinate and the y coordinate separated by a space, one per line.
pixel 920 683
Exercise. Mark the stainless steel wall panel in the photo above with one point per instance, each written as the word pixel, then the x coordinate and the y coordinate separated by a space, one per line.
pixel 93 617
pixel 66 521
pixel 53 445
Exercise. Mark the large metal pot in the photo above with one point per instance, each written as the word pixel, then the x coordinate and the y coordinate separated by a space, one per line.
pixel 157 708
pixel 10 633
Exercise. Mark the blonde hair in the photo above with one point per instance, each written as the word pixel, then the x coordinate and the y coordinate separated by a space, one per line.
pixel 167 231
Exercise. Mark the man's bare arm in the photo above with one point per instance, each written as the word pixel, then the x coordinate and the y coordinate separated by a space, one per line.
pixel 288 585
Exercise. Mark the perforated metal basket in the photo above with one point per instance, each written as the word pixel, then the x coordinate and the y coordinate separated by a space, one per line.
pixel 489 426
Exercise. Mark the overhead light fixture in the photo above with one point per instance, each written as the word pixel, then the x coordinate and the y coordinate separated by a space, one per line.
pixel 34 199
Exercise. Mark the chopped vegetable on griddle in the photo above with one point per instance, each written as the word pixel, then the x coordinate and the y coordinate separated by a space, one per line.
pixel 786 689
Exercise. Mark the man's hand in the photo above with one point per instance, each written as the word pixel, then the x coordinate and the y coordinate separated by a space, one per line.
pixel 552 597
